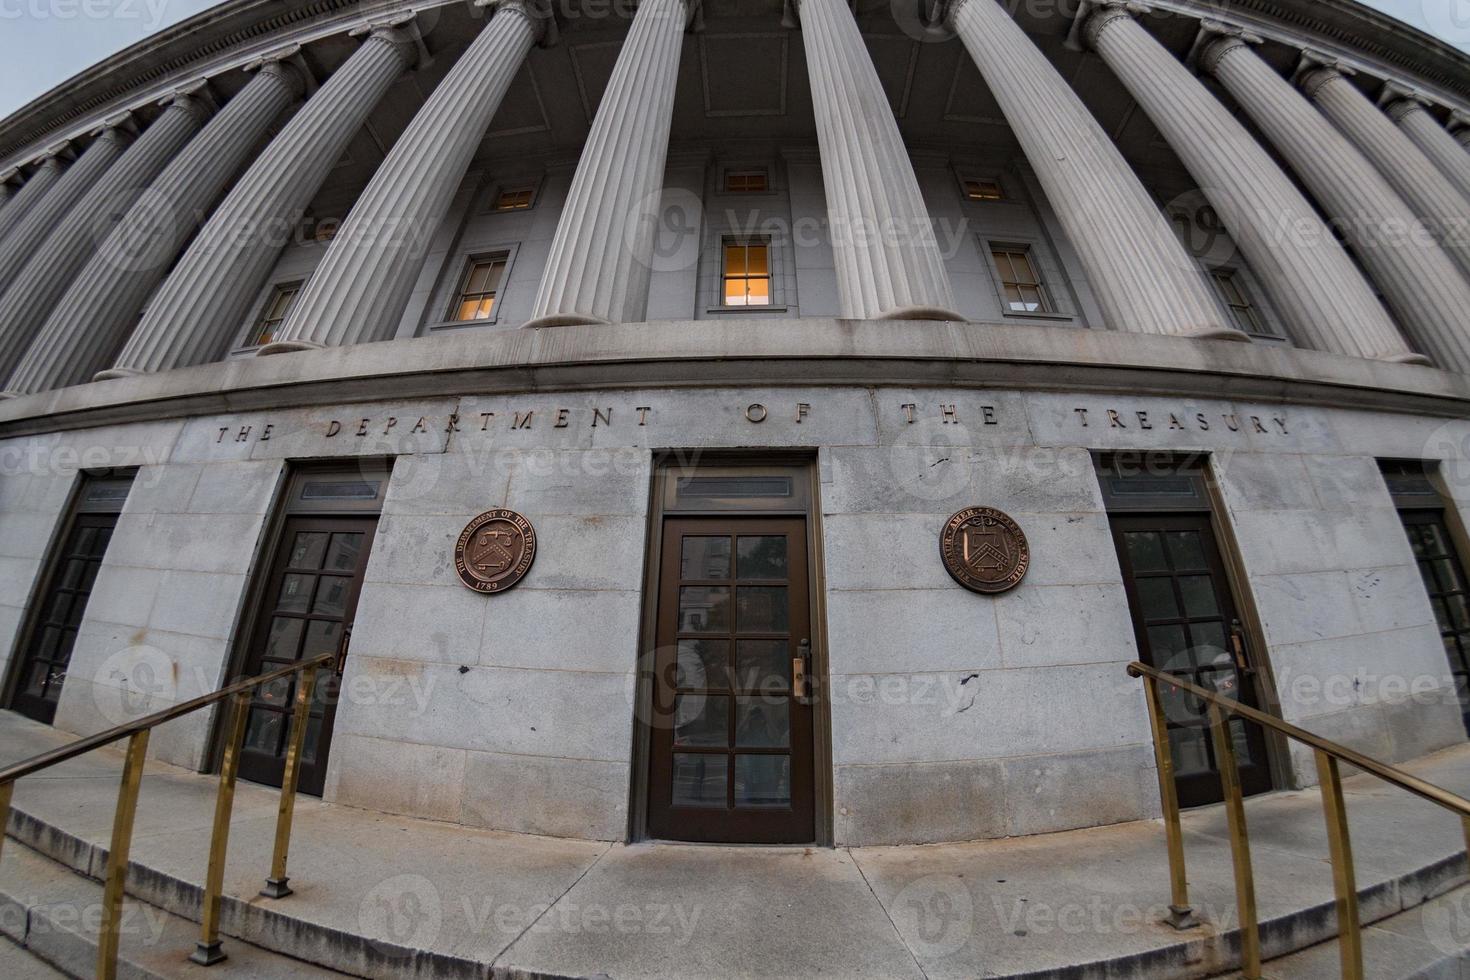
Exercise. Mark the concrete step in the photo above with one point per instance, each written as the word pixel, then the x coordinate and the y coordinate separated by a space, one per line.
pixel 16 962
pixel 1428 942
pixel 50 914
pixel 379 895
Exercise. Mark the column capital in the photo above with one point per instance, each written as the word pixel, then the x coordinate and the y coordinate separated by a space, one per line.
pixel 401 30
pixel 1315 69
pixel 194 97
pixel 6 176
pixel 1396 99
pixel 63 150
pixel 1105 14
pixel 288 66
pixel 123 122
pixel 1217 39
pixel 540 14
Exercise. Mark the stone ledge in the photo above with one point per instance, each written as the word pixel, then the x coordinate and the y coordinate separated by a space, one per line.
pixel 677 354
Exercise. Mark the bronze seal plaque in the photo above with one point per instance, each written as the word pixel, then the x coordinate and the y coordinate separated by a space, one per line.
pixel 495 550
pixel 984 550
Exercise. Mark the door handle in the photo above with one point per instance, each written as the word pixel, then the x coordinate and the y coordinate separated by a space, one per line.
pixel 341 663
pixel 1237 647
pixel 801 673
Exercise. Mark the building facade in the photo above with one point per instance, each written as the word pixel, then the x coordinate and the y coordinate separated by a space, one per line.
pixel 604 385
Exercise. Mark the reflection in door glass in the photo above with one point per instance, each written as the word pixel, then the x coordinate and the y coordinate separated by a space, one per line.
pixel 761 556
pixel 699 780
pixel 762 780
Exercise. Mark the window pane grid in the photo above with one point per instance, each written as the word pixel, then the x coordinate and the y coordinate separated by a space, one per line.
pixel 277 307
pixel 746 277
pixel 746 182
pixel 1020 284
pixel 1241 310
pixel 982 190
pixel 516 199
pixel 476 300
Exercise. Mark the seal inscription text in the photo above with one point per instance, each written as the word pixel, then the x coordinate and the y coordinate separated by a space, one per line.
pixel 494 551
pixel 984 550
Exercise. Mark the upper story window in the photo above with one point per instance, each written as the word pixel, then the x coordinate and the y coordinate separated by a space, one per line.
pixel 517 198
pixel 981 189
pixel 1021 288
pixel 746 273
pixel 1242 312
pixel 479 287
pixel 747 181
pixel 277 307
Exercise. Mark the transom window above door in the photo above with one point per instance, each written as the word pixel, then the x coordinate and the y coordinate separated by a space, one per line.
pixel 746 182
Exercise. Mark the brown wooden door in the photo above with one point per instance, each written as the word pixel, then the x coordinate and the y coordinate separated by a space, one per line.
pixel 47 650
pixel 307 610
pixel 1185 621
pixel 1444 580
pixel 731 756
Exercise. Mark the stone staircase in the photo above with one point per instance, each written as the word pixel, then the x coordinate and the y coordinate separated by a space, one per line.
pixel 385 896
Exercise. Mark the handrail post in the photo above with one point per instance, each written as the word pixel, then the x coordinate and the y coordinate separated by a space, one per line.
pixel 117 854
pixel 1240 848
pixel 207 951
pixel 1181 913
pixel 276 885
pixel 1344 881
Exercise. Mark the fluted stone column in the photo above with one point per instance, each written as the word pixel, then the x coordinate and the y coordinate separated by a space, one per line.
pixel 103 303
pixel 1325 300
pixel 601 256
pixel 1460 129
pixel 1139 270
pixel 25 306
pixel 197 311
pixel 1418 279
pixel 358 292
pixel 887 259
pixel 47 173
pixel 17 247
pixel 1411 174
pixel 1438 145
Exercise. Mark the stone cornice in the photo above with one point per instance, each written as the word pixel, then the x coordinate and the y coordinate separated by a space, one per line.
pixel 235 32
pixel 717 353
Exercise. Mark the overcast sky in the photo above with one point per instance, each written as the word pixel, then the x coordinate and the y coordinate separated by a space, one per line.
pixel 45 42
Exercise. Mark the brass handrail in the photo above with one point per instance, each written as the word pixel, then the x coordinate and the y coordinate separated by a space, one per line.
pixel 1328 754
pixel 207 951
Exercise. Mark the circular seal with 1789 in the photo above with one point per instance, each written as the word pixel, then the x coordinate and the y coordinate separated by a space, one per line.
pixel 494 551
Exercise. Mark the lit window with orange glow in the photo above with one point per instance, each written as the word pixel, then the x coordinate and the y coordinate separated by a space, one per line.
pixel 747 274
pixel 514 199
pixel 476 298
